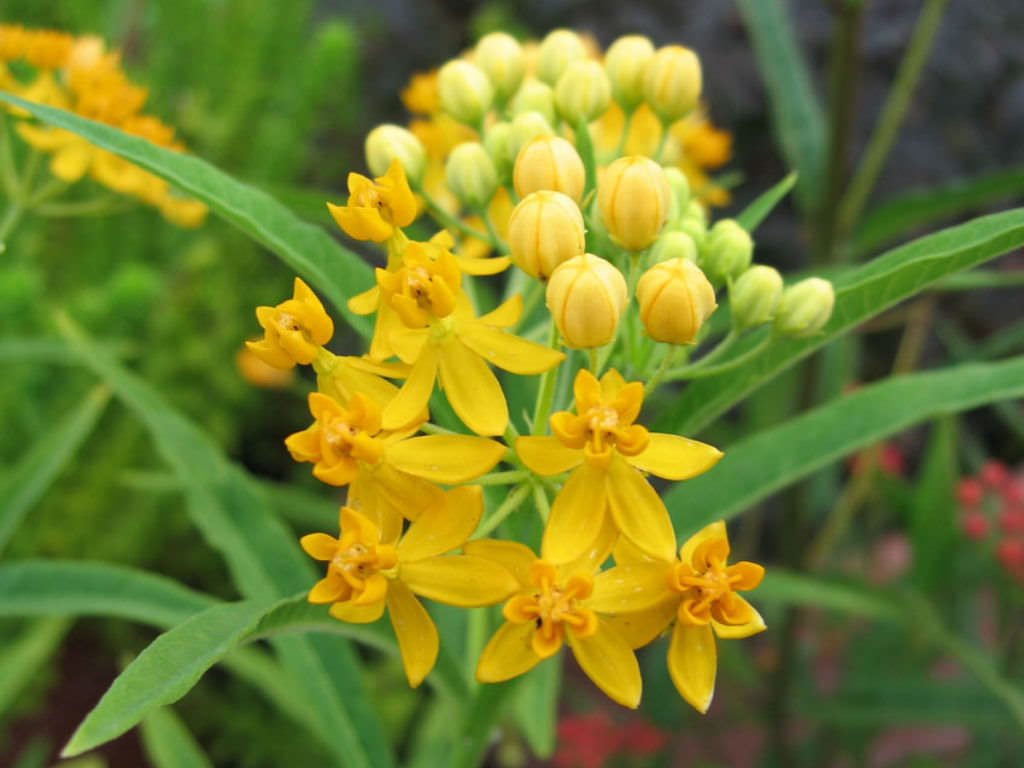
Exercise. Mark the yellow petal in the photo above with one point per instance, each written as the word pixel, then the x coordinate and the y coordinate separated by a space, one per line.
pixel 480 267
pixel 576 516
pixel 408 343
pixel 415 632
pixel 399 197
pixel 461 580
pixel 611 384
pixel 508 654
pixel 546 455
pixel 329 589
pixel 626 553
pixel 608 660
pixel 517 558
pixel 358 614
pixel 692 662
pixel 643 627
pixel 70 163
pixel 507 351
pixel 361 223
pixel 472 389
pixel 595 554
pixel 639 512
pixel 412 398
pixel 711 532
pixel 443 526
pixel 365 303
pixel 319 546
pixel 675 458
pixel 447 459
pixel 739 631
pixel 628 588
pixel 404 494
pixel 506 314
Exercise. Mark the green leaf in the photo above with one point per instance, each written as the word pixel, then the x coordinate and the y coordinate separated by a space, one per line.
pixel 797 116
pixel 22 659
pixel 774 458
pixel 22 487
pixel 924 207
pixel 536 706
pixel 168 742
pixel 263 557
pixel 861 294
pixel 312 253
pixel 933 531
pixel 166 670
pixel 484 710
pixel 790 588
pixel 35 351
pixel 765 203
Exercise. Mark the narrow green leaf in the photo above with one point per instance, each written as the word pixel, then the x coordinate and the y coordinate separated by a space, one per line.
pixel 22 487
pixel 797 117
pixel 166 670
pixel 485 709
pixel 933 531
pixel 860 294
pixel 35 351
pixel 790 588
pixel 774 458
pixel 765 203
pixel 21 660
pixel 168 742
pixel 536 706
pixel 312 253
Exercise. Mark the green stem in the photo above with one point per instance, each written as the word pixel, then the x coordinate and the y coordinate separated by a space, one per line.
pixel 8 168
pixel 96 207
pixel 585 146
pixel 511 477
pixel 496 240
pixel 540 500
pixel 593 362
pixel 12 216
pixel 662 141
pixel 627 121
pixel 662 369
pixel 698 371
pixel 546 392
pixel 512 502
pixel 446 220
pixel 891 119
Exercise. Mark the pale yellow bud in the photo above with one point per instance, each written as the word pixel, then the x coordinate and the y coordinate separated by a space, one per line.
pixel 680 199
pixel 393 142
pixel 624 62
pixel 525 128
pixel 675 299
pixel 755 296
pixel 496 142
pixel 501 58
pixel 545 229
pixel 466 92
pixel 549 162
pixel 694 222
pixel 805 307
pixel 727 252
pixel 674 245
pixel 634 197
pixel 586 296
pixel 470 175
pixel 583 92
pixel 556 52
pixel 535 96
pixel 672 82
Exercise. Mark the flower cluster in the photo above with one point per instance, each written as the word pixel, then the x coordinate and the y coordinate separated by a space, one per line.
pixel 540 226
pixel 79 74
pixel 992 512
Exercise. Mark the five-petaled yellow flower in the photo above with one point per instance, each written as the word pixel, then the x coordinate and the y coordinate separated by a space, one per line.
pixel 554 605
pixel 294 330
pixel 376 209
pixel 390 474
pixel 608 454
pixel 698 590
pixel 367 572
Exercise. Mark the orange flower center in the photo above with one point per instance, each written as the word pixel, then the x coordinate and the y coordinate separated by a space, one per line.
pixel 553 608
pixel 357 562
pixel 708 587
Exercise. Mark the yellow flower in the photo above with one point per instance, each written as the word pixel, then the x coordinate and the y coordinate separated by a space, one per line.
pixel 698 590
pixel 608 454
pixel 368 571
pixel 293 330
pixel 46 48
pixel 259 374
pixel 553 606
pixel 455 350
pixel 72 155
pixel 422 96
pixel 376 209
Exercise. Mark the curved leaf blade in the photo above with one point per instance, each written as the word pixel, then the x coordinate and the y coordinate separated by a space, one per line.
pixel 168 742
pixel 758 210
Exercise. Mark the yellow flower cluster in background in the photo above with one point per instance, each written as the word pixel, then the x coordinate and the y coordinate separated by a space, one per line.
pixel 79 74
pixel 548 232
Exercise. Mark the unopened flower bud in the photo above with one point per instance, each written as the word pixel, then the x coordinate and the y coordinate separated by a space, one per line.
pixel 755 296
pixel 625 62
pixel 680 199
pixel 549 162
pixel 727 252
pixel 675 299
pixel 583 92
pixel 672 82
pixel 393 142
pixel 545 229
pixel 470 175
pixel 556 52
pixel 586 295
pixel 466 92
pixel 525 128
pixel 633 195
pixel 694 222
pixel 501 58
pixel 496 142
pixel 674 245
pixel 535 96
pixel 805 307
